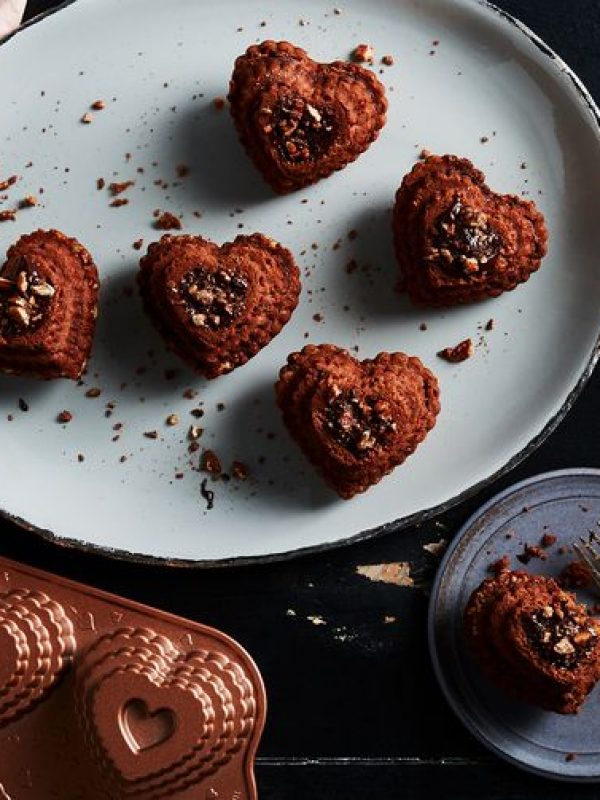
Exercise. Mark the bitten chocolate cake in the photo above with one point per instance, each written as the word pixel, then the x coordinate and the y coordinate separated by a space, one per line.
pixel 534 640
pixel 356 420
pixel 48 304
pixel 300 120
pixel 456 240
pixel 216 307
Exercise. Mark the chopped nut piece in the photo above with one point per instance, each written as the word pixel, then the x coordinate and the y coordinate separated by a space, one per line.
pixel 172 420
pixel 64 417
pixel 8 183
pixel 98 105
pixel 461 352
pixel 87 118
pixel 18 315
pixel 239 470
pixel 28 202
pixel 363 53
pixel 100 183
pixel 117 188
pixel 120 201
pixel 43 289
pixel 387 60
pixel 22 283
pixel 210 463
pixel 93 392
pixel 564 647
pixel 8 216
pixel 195 432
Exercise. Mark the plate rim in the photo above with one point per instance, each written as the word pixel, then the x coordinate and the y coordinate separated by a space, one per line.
pixel 450 698
pixel 395 526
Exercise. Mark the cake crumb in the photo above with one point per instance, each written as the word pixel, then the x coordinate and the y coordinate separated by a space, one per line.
pixel 576 575
pixel 64 417
pixel 363 54
pixel 461 352
pixel 98 105
pixel 239 470
pixel 118 188
pixel 167 222
pixel 210 463
pixel 499 566
pixel 548 539
pixel 388 60
pixel 219 103
pixel 87 118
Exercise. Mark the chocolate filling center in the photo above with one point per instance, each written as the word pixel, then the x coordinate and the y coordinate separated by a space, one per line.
pixel 561 634
pixel 213 298
pixel 465 240
pixel 300 131
pixel 357 423
pixel 24 299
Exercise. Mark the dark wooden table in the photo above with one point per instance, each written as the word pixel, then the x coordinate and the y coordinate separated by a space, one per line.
pixel 355 711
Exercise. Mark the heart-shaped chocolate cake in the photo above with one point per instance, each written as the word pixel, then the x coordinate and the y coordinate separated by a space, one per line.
pixel 356 420
pixel 216 307
pixel 458 241
pixel 300 120
pixel 533 640
pixel 48 305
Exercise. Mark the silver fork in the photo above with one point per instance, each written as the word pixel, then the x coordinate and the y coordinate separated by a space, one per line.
pixel 588 549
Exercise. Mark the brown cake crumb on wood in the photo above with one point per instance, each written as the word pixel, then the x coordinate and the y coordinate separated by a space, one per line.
pixel 461 352
pixel 167 222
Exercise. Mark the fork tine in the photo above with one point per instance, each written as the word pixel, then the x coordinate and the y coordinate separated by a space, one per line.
pixel 591 559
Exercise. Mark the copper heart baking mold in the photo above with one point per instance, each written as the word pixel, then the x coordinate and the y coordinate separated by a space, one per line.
pixel 130 701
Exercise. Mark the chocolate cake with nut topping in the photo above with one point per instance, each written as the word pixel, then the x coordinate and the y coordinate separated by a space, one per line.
pixel 356 420
pixel 216 307
pixel 48 302
pixel 533 640
pixel 456 240
pixel 300 120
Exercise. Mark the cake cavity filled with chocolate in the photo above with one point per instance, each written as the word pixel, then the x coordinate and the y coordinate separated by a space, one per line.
pixel 213 299
pixel 217 306
pixel 24 299
pixel 358 423
pixel 301 131
pixel 300 120
pixel 465 240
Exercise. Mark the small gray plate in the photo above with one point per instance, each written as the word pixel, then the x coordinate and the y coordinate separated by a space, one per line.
pixel 565 503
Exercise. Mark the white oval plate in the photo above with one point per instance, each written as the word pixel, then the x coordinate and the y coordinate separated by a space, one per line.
pixel 165 63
